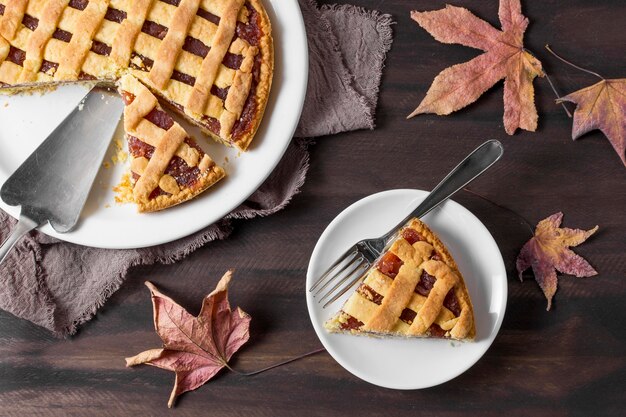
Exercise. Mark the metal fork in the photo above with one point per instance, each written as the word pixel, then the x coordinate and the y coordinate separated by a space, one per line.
pixel 352 266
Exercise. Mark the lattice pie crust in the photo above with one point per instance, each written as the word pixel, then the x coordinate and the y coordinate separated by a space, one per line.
pixel 415 290
pixel 210 59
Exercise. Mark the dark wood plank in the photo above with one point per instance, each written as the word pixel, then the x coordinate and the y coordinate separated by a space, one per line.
pixel 569 361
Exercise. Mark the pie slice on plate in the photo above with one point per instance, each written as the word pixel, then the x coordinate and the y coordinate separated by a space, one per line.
pixel 212 60
pixel 167 166
pixel 414 290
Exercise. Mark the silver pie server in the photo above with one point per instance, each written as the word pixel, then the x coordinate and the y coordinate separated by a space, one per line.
pixel 52 185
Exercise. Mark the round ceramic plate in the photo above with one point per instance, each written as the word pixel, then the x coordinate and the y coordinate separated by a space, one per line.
pixel 412 363
pixel 26 120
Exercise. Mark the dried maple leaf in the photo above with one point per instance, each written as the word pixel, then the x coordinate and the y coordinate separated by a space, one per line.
pixel 504 57
pixel 547 251
pixel 195 348
pixel 601 106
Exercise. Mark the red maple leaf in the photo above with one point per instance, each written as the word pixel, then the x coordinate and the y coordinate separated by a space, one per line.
pixel 505 58
pixel 195 348
pixel 601 106
pixel 547 251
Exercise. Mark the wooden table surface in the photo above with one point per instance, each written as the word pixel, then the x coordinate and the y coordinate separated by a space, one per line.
pixel 569 361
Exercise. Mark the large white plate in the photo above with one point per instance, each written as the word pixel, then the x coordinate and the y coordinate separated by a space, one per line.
pixel 25 121
pixel 412 363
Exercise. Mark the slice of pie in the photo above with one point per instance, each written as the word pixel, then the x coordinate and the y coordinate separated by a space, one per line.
pixel 167 166
pixel 212 60
pixel 414 290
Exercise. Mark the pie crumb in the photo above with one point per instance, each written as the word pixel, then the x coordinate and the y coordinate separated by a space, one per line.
pixel 6 104
pixel 120 155
pixel 124 190
pixel 106 164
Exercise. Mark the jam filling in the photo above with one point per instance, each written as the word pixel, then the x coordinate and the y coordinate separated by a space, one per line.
pixel 426 284
pixel 369 293
pixel 184 175
pixel 127 97
pixel 30 22
pixel 389 264
pixel 351 323
pixel 60 34
pixel 211 124
pixel 115 15
pixel 452 303
pixel 183 78
pixel 1 9
pixel 17 56
pixel 79 4
pixel 408 316
pixel 220 92
pixel 196 47
pixel 146 62
pixel 251 33
pixel 101 48
pixel 160 118
pixel 154 29
pixel 411 236
pixel 156 116
pixel 435 331
pixel 208 16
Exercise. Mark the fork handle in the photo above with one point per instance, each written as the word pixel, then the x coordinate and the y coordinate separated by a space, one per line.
pixel 471 167
pixel 23 226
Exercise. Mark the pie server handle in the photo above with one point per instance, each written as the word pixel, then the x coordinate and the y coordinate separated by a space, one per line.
pixel 23 226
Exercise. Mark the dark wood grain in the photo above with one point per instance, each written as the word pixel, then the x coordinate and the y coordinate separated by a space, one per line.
pixel 570 361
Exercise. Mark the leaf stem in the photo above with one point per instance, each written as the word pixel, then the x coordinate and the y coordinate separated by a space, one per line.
pixel 276 365
pixel 519 216
pixel 572 64
pixel 558 95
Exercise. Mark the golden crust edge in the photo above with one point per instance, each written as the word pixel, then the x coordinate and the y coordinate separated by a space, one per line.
pixel 209 178
pixel 267 74
pixel 439 246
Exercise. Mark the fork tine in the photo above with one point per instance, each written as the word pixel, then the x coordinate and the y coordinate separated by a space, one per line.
pixel 347 287
pixel 351 251
pixel 356 258
pixel 330 292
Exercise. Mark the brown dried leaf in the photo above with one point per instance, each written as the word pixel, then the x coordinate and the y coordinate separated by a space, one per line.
pixel 547 252
pixel 195 348
pixel 601 106
pixel 504 58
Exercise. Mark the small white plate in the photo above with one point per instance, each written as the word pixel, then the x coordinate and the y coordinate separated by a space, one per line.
pixel 26 120
pixel 412 363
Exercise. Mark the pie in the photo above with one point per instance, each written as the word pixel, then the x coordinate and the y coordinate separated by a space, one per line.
pixel 167 166
pixel 414 290
pixel 211 60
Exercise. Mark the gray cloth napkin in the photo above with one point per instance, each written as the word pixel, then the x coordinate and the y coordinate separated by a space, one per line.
pixel 60 285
